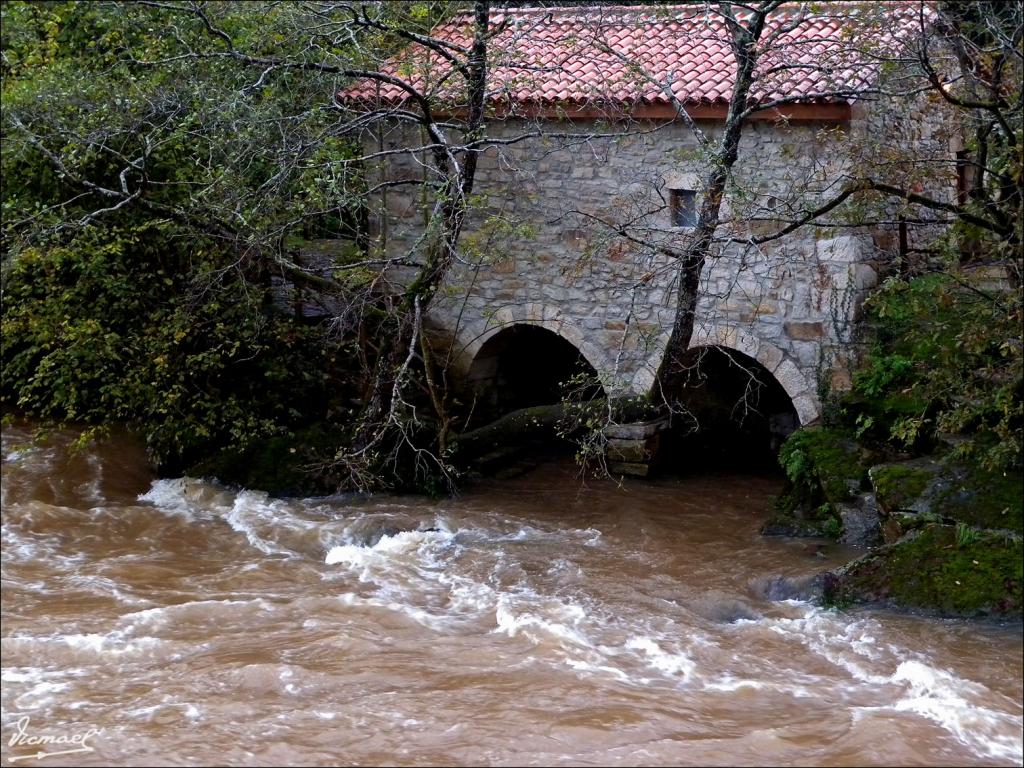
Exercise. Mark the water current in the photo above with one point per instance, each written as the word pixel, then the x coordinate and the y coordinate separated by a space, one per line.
pixel 541 620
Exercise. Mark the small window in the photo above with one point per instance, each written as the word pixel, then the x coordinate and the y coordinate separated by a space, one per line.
pixel 682 204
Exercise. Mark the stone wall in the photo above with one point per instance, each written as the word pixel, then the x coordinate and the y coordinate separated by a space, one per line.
pixel 541 247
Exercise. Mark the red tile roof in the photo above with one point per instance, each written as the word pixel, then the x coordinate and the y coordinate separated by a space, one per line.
pixel 582 55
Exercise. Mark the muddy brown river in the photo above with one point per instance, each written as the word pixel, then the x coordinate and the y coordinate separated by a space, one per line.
pixel 534 621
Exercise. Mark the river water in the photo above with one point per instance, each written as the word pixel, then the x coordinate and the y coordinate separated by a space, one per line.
pixel 539 620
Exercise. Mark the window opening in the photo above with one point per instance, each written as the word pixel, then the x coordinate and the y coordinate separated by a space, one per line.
pixel 683 207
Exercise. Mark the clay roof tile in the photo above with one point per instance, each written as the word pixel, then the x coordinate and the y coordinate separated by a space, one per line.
pixel 557 54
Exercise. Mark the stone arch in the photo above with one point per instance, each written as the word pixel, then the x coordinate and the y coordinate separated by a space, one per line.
pixel 472 336
pixel 525 365
pixel 798 386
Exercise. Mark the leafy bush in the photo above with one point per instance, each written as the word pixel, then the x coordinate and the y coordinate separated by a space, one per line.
pixel 946 361
pixel 115 325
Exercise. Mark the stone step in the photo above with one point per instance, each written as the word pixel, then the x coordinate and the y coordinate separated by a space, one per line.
pixel 633 469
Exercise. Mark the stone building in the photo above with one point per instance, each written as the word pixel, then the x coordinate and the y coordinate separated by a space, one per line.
pixel 592 169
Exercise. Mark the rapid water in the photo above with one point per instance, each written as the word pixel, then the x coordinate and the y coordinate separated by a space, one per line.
pixel 534 621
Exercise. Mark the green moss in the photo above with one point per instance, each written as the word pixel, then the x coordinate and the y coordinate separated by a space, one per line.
pixel 938 570
pixel 985 499
pixel 912 520
pixel 897 485
pixel 821 465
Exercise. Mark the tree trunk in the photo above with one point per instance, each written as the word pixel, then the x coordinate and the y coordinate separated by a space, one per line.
pixel 447 221
pixel 693 259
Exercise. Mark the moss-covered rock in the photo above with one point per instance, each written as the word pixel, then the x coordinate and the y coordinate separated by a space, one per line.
pixel 944 569
pixel 937 399
pixel 822 465
pixel 984 499
pixel 824 469
pixel 790 525
pixel 898 486
pixel 913 493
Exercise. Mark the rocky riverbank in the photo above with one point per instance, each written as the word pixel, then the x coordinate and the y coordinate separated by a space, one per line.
pixel 940 537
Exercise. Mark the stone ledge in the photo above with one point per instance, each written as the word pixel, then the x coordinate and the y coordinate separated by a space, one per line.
pixel 636 431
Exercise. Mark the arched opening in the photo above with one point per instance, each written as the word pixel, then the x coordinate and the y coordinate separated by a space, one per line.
pixel 733 414
pixel 526 365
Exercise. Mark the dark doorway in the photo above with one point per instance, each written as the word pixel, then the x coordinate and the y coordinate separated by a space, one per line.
pixel 526 365
pixel 734 415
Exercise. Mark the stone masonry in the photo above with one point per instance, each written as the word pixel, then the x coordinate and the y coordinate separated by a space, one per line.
pixel 540 248
pixel 571 226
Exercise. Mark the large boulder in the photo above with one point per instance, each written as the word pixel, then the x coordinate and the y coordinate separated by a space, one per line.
pixel 949 570
pixel 915 493
pixel 826 474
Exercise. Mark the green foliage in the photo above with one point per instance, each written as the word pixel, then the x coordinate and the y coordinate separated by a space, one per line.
pixel 965 535
pixel 116 325
pixel 159 187
pixel 882 373
pixel 946 361
pixel 635 408
pixel 821 465
pixel 159 313
pixel 833 527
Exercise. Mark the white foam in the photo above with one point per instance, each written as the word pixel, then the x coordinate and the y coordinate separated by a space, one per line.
pixel 250 515
pixel 413 576
pixel 541 620
pixel 36 674
pixel 728 683
pixel 592 668
pixel 194 611
pixel 171 496
pixel 19 548
pixel 88 647
pixel 943 698
pixel 271 526
pixel 676 663
pixel 10 676
pixel 113 643
pixel 14 455
pixel 834 638
pixel 92 489
pixel 388 548
pixel 39 695
pixel 101 585
pixel 143 713
pixel 925 690
pixel 435 622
